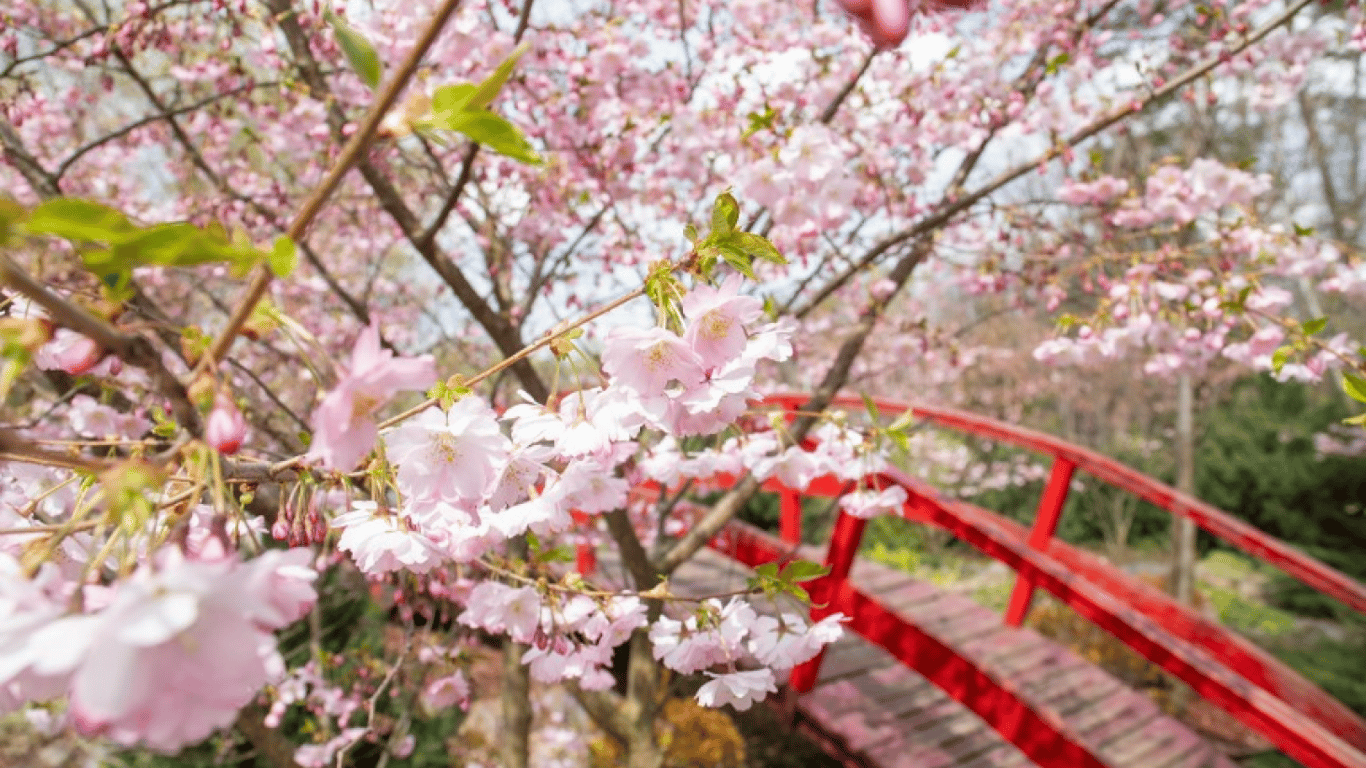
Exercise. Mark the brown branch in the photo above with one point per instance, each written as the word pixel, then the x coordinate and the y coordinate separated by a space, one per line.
pixel 350 154
pixel 505 334
pixel 954 207
pixel 131 348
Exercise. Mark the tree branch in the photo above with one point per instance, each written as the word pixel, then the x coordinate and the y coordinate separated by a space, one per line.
pixel 350 154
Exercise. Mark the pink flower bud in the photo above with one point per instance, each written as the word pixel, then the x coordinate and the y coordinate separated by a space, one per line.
pixel 226 429
pixel 71 352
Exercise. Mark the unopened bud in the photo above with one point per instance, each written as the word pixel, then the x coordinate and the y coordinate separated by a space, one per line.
pixel 71 352
pixel 226 428
pixel 202 391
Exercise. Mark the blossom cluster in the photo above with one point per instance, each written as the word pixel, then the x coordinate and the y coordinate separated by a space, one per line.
pixel 571 637
pixel 465 484
pixel 733 633
pixel 164 657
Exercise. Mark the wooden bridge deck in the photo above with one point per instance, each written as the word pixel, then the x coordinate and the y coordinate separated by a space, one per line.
pixel 882 714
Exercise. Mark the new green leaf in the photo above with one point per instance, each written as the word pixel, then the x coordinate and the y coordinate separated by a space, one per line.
pixel 76 219
pixel 357 50
pixel 803 570
pixel 725 214
pixel 284 257
pixel 483 94
pixel 1355 386
pixel 495 133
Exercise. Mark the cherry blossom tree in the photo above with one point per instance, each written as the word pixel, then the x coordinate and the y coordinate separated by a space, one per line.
pixel 416 292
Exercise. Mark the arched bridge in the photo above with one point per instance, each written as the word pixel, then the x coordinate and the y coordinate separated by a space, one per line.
pixel 932 680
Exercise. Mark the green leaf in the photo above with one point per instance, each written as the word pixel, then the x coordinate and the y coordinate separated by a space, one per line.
pixel 11 214
pixel 1355 386
pixel 1303 231
pixel 799 593
pixel 760 122
pixel 495 133
pixel 76 219
pixel 803 570
pixel 284 257
pixel 725 214
pixel 1357 421
pixel 873 413
pixel 758 247
pixel 768 570
pixel 1279 358
pixel 358 51
pixel 903 443
pixel 690 232
pixel 560 554
pixel 1311 327
pixel 485 92
pixel 902 422
pixel 1057 61
pixel 449 99
pixel 736 258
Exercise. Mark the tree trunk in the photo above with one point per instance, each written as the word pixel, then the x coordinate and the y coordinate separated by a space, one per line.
pixel 514 744
pixel 1183 530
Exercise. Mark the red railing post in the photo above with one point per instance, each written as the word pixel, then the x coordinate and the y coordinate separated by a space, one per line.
pixel 585 559
pixel 790 522
pixel 1045 523
pixel 839 558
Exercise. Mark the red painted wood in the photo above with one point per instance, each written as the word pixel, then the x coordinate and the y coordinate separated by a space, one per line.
pixel 1045 523
pixel 1296 716
pixel 1232 650
pixel 1044 743
pixel 1299 736
pixel 790 522
pixel 1236 532
pixel 585 559
pixel 839 558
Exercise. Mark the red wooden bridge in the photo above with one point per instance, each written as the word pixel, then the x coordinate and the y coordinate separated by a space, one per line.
pixel 930 679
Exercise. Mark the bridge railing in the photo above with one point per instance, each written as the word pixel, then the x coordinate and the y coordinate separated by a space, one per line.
pixel 1067 458
pixel 1299 717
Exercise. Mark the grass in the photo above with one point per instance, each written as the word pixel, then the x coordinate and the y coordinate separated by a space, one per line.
pixel 1242 615
pixel 994 596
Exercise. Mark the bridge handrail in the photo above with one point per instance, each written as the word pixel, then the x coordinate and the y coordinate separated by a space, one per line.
pixel 1242 535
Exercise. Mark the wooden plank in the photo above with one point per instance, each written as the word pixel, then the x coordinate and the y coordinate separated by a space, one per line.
pixel 873 578
pixel 1137 712
pixel 1121 704
pixel 1156 743
pixel 843 710
pixel 930 616
pixel 855 658
pixel 1005 756
pixel 1038 686
pixel 1086 692
pixel 909 599
pixel 969 626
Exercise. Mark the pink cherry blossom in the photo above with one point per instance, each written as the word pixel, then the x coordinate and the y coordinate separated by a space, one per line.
pixel 783 644
pixel 225 429
pixel 648 360
pixel 499 608
pixel 381 541
pixel 738 689
pixel 869 503
pixel 176 649
pixel 450 456
pixel 344 425
pixel 446 692
pixel 70 352
pixel 717 318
